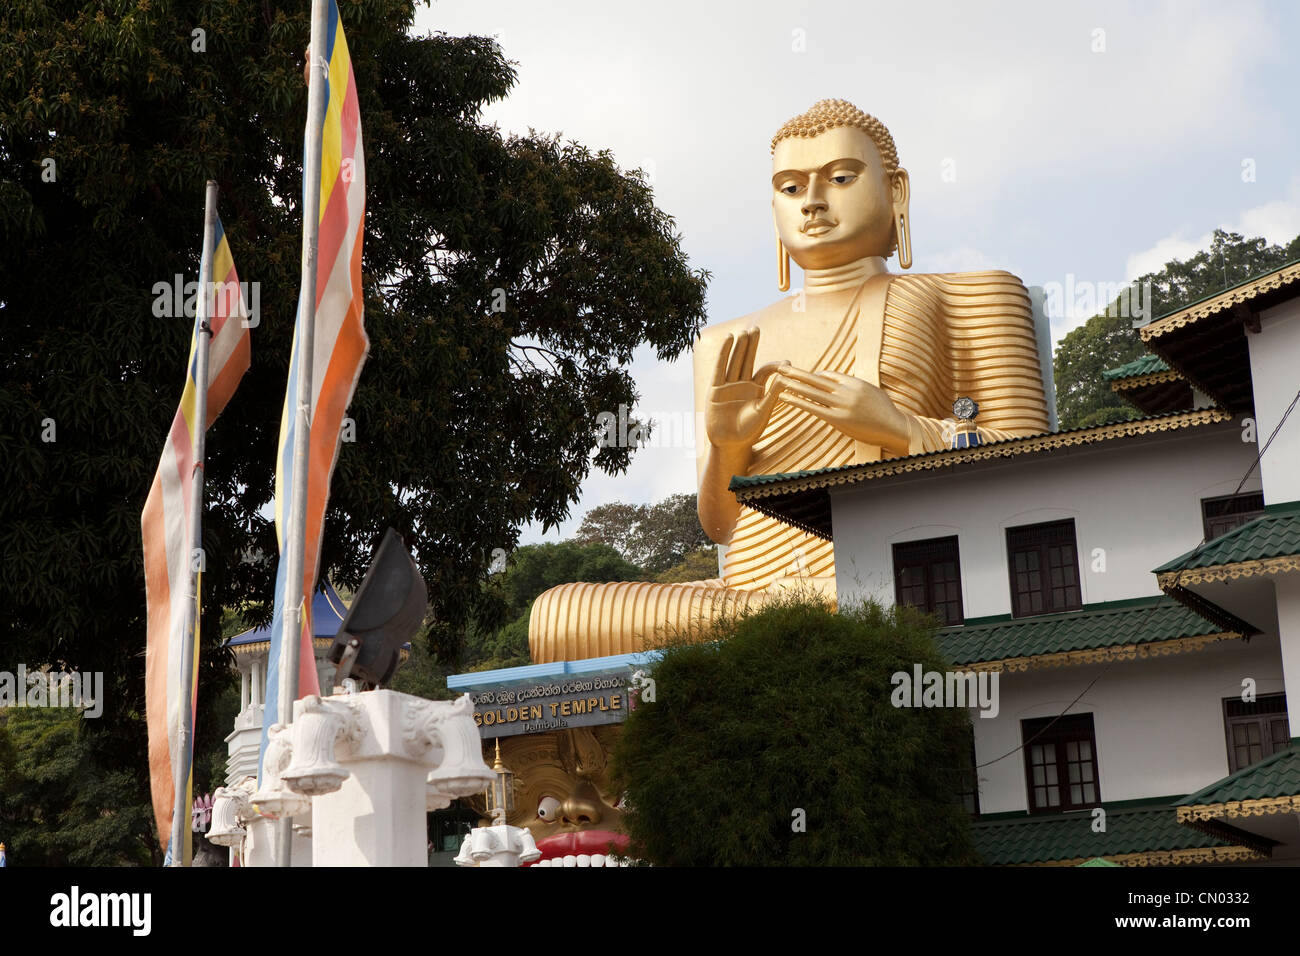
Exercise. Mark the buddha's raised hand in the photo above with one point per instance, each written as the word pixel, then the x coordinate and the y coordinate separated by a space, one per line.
pixel 740 402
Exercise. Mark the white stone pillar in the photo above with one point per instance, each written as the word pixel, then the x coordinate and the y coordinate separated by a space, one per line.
pixel 498 846
pixel 259 846
pixel 372 763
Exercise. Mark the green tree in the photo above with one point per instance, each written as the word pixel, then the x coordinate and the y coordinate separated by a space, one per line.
pixel 423 675
pixel 1108 340
pixel 508 282
pixel 59 804
pixel 699 565
pixel 531 570
pixel 655 537
pixel 777 744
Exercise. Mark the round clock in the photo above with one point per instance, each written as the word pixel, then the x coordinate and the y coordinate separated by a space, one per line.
pixel 965 408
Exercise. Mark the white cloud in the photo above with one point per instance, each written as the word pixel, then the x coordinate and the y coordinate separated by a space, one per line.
pixel 1165 250
pixel 1278 221
pixel 1052 145
pixel 963 259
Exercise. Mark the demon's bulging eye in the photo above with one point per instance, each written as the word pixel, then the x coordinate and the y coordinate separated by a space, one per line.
pixel 548 809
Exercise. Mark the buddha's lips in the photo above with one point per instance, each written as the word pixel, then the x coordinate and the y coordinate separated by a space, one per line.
pixel 573 843
pixel 817 226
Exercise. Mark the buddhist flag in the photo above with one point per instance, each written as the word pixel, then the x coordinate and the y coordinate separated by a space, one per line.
pixel 339 349
pixel 169 554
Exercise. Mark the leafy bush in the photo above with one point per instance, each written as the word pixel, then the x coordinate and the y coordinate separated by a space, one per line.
pixel 789 709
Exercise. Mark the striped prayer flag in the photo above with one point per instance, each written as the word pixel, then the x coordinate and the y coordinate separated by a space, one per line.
pixel 165 524
pixel 340 346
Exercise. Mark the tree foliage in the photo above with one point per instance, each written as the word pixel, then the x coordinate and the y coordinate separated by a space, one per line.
pixel 531 570
pixel 656 537
pixel 507 283
pixel 789 710
pixel 701 565
pixel 1108 339
pixel 59 804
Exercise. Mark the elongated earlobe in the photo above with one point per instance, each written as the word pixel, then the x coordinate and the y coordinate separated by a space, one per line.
pixel 904 231
pixel 782 266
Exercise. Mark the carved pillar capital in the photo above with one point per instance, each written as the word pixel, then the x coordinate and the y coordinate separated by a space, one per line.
pixel 274 799
pixel 318 726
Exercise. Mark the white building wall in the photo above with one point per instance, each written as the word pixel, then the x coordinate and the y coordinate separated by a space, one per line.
pixel 1287 587
pixel 1135 506
pixel 1275 377
pixel 1158 723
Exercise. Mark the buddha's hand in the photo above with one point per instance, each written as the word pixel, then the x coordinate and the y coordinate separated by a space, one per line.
pixel 863 411
pixel 740 402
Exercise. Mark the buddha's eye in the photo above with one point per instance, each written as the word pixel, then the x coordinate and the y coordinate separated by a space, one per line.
pixel 791 189
pixel 843 178
pixel 548 809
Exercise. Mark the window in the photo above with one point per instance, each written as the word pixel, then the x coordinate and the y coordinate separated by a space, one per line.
pixel 927 575
pixel 1221 515
pixel 1255 729
pixel 1044 568
pixel 1061 763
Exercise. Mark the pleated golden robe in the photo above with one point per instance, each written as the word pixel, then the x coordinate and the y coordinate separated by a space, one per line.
pixel 943 336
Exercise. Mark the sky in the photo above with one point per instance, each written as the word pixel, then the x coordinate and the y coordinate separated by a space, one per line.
pixel 1064 142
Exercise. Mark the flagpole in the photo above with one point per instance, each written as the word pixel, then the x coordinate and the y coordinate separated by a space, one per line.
pixel 296 533
pixel 181 840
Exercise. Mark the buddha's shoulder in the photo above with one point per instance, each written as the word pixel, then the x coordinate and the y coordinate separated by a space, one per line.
pixel 995 280
pixel 758 319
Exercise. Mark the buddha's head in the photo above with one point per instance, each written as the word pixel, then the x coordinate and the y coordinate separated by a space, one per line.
pixel 838 193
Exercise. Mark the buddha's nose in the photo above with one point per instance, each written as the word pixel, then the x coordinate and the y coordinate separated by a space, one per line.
pixel 813 202
pixel 582 808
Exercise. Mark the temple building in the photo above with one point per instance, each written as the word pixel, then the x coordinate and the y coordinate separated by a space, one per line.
pixel 1136 587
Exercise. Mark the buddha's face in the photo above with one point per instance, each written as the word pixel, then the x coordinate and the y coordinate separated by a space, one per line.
pixel 832 199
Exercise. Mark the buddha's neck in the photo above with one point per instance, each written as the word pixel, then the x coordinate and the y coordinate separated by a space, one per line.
pixel 841 278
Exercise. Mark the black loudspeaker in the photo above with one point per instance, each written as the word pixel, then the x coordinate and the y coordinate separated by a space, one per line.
pixel 386 612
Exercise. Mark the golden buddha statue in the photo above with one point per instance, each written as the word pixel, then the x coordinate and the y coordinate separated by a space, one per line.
pixel 863 364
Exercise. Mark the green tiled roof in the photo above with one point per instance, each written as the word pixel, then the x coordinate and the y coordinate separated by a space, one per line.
pixel 1274 534
pixel 1117 623
pixel 1069 836
pixel 742 482
pixel 1275 776
pixel 1144 365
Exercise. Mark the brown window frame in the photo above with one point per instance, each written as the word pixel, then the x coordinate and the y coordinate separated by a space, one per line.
pixel 1233 511
pixel 918 558
pixel 1263 712
pixel 1041 539
pixel 1059 733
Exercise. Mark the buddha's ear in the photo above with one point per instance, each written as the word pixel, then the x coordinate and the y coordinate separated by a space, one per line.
pixel 900 189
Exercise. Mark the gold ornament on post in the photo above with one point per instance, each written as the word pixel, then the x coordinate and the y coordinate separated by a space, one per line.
pixel 501 795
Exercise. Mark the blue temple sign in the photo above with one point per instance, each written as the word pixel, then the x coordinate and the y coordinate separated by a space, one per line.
pixel 547 697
